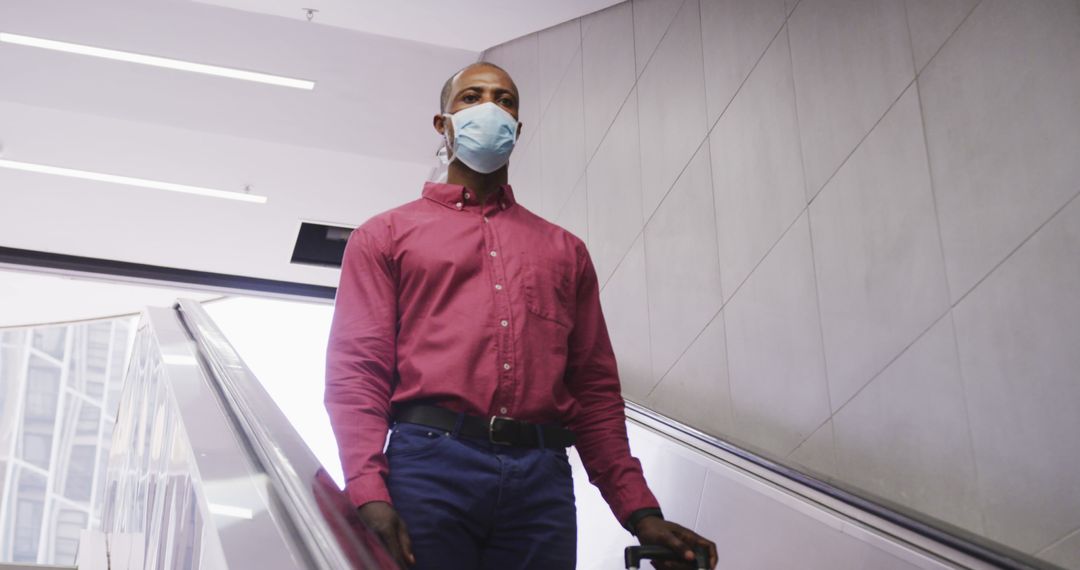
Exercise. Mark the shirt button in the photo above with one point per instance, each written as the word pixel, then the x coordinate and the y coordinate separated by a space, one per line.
pixel 498 287
pixel 506 366
pixel 458 205
pixel 504 323
pixel 466 195
pixel 503 410
pixel 485 219
pixel 493 254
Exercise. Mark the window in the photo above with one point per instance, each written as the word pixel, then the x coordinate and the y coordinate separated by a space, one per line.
pixel 51 340
pixel 29 508
pixel 42 389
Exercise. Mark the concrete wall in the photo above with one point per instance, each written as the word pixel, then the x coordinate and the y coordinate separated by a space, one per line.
pixel 844 232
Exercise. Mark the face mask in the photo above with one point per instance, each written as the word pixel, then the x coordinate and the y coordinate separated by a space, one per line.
pixel 484 137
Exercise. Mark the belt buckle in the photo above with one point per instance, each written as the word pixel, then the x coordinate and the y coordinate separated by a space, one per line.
pixel 500 421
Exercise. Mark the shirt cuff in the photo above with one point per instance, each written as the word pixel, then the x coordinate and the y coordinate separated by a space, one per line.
pixel 630 499
pixel 365 489
pixel 636 516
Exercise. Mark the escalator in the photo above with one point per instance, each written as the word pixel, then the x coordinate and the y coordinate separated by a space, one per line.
pixel 206 472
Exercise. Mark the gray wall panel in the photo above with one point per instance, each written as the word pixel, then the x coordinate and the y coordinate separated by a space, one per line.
pixel 1002 110
pixel 1018 335
pixel 671 106
pixel 852 59
pixel 881 276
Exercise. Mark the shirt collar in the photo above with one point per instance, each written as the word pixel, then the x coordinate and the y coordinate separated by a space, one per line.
pixel 452 195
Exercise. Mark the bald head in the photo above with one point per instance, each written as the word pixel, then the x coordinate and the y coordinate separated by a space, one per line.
pixel 453 84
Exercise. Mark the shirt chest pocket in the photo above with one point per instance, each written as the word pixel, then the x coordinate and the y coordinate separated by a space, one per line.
pixel 548 286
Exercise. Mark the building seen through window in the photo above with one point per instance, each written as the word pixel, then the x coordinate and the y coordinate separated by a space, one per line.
pixel 59 390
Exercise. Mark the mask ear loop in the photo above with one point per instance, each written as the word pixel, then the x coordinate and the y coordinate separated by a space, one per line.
pixel 448 125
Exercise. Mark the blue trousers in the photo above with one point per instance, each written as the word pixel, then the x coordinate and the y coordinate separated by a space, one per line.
pixel 471 504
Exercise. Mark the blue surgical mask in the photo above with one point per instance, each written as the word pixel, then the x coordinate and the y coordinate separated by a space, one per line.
pixel 484 137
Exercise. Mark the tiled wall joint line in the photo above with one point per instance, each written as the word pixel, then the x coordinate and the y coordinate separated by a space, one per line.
pixel 781 29
pixel 948 285
pixel 911 40
pixel 817 301
pixel 967 413
pixel 886 366
pixel 918 71
pixel 559 82
pixel 638 74
pixel 1068 535
pixel 839 167
pixel 690 344
pixel 1026 239
pixel 779 239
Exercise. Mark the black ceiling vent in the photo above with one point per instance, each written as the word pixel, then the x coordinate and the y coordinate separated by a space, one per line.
pixel 319 244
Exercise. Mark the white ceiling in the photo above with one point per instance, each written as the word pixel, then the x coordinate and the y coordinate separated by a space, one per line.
pixel 358 144
pixel 473 25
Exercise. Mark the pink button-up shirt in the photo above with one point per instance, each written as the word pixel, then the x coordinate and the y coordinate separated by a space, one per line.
pixel 485 309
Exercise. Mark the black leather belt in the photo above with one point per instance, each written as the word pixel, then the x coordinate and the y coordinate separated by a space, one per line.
pixel 496 429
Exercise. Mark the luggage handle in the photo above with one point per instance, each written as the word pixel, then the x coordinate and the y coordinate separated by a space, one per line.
pixel 635 554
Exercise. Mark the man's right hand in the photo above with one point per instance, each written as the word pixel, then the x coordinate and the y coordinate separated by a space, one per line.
pixel 380 517
pixel 655 530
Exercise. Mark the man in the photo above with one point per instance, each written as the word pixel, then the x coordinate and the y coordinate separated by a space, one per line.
pixel 474 327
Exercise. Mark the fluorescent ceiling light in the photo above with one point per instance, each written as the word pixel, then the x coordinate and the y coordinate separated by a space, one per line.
pixel 129 181
pixel 156 61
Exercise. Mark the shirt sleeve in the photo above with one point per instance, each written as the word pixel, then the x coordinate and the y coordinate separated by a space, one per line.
pixel 360 362
pixel 600 425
